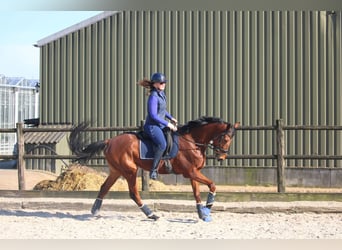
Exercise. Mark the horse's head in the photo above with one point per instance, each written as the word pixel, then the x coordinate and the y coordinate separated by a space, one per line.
pixel 211 132
pixel 221 143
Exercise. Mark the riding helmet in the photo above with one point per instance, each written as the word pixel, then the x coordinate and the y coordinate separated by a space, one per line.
pixel 158 77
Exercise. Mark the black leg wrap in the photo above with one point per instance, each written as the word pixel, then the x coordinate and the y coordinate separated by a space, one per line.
pixel 199 210
pixel 148 212
pixel 96 207
pixel 210 200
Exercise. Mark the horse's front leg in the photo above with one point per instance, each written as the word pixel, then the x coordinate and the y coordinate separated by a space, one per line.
pixel 203 212
pixel 196 191
pixel 199 177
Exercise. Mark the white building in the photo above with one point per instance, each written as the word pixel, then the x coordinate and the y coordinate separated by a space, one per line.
pixel 19 100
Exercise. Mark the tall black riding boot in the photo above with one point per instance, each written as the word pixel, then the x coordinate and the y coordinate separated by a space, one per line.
pixel 157 156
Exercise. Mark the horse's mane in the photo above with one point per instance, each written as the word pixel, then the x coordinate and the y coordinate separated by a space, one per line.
pixel 197 123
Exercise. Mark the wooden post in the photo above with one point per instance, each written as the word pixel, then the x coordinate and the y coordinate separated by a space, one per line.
pixel 21 160
pixel 145 179
pixel 280 154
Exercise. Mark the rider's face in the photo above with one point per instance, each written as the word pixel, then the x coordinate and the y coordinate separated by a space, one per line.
pixel 159 85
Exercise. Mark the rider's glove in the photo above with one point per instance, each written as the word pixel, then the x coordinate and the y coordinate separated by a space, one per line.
pixel 172 127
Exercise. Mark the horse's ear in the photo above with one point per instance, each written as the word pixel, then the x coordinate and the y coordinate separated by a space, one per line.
pixel 237 124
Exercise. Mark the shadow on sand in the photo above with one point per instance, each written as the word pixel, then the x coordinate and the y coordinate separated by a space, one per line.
pixel 44 214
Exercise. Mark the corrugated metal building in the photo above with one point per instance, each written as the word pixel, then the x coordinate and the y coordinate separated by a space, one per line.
pixel 247 66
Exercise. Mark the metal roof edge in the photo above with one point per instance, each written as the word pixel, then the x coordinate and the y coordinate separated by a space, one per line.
pixel 75 27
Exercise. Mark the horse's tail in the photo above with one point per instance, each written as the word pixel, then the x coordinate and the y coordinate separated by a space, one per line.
pixel 78 145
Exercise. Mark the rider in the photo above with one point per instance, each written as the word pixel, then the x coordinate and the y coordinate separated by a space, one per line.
pixel 155 119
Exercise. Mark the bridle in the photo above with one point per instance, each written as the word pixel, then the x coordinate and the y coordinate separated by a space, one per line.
pixel 230 131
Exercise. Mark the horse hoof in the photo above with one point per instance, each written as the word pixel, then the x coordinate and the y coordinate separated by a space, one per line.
pixel 95 213
pixel 96 207
pixel 207 218
pixel 153 217
pixel 204 213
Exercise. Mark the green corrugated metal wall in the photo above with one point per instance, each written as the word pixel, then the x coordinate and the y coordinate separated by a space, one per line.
pixel 247 66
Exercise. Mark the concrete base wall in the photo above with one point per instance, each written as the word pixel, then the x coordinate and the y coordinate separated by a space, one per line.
pixel 295 177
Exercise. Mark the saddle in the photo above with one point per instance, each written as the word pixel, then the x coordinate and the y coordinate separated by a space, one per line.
pixel 146 147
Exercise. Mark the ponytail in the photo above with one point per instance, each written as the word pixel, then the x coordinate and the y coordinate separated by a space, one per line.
pixel 146 84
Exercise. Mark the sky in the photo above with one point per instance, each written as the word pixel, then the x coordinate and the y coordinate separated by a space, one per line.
pixel 20 30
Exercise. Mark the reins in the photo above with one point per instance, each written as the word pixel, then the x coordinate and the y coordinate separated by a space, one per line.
pixel 193 142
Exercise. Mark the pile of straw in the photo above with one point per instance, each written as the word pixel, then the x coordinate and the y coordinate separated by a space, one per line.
pixel 83 178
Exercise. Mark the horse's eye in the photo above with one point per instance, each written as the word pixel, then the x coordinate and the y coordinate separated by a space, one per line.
pixel 226 139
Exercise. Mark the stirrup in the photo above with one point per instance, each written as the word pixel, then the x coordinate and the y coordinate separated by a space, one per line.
pixel 168 166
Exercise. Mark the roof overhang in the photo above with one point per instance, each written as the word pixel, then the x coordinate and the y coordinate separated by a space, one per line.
pixel 75 27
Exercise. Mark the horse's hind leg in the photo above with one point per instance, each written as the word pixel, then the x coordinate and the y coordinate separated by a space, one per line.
pixel 111 179
pixel 135 196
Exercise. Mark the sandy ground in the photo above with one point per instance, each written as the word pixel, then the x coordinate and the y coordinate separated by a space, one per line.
pixel 80 224
pixel 60 218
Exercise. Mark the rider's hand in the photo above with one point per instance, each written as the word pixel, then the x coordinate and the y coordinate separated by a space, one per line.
pixel 172 127
pixel 174 120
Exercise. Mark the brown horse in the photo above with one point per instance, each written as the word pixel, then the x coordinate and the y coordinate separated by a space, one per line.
pixel 122 155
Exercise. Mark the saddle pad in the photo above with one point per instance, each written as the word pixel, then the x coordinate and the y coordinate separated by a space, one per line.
pixel 147 153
